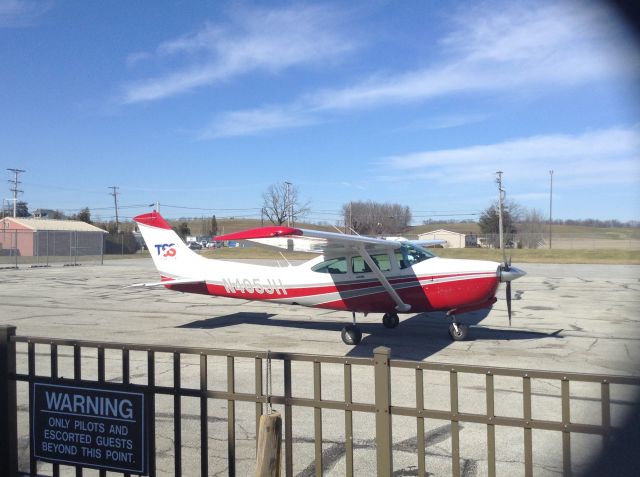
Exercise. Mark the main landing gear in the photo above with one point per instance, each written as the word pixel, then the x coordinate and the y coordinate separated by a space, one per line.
pixel 390 320
pixel 351 334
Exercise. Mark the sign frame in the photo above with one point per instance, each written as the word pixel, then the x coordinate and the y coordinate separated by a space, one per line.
pixel 105 399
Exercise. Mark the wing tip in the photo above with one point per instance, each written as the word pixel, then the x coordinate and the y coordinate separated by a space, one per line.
pixel 261 232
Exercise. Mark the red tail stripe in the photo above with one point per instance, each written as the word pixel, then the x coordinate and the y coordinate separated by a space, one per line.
pixel 153 219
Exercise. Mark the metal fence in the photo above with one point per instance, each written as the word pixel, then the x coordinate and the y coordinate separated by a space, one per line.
pixel 564 241
pixel 47 247
pixel 194 389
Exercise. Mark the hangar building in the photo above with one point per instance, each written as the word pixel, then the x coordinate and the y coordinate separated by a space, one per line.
pixel 29 237
pixel 453 239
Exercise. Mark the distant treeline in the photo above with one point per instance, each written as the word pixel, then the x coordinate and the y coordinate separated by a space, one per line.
pixel 582 222
pixel 599 223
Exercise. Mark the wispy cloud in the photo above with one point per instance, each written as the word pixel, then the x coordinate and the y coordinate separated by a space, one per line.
pixel 512 49
pixel 610 156
pixel 22 13
pixel 254 122
pixel 253 40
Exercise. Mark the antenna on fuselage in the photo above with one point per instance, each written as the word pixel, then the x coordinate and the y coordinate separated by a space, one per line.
pixel 285 259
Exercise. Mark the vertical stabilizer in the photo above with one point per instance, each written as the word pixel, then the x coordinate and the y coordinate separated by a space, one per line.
pixel 170 254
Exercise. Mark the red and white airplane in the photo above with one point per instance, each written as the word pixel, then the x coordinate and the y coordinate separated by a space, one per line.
pixel 352 273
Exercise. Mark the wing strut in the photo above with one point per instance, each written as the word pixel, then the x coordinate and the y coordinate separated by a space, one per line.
pixel 400 305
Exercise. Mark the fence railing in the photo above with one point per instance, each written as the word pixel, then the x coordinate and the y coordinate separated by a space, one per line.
pixel 194 389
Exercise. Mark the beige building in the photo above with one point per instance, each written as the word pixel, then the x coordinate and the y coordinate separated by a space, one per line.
pixel 453 239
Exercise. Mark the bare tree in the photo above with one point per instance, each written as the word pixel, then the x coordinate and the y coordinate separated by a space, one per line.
pixel 374 218
pixel 281 203
pixel 531 228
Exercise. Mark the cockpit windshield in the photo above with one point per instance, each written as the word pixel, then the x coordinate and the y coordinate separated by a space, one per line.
pixel 410 254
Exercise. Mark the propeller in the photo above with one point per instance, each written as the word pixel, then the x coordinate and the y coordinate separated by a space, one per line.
pixel 507 274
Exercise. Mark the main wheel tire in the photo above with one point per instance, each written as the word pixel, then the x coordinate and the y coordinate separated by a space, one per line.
pixel 351 335
pixel 460 334
pixel 390 320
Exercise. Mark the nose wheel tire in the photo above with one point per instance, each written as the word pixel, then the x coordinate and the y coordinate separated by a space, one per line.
pixel 458 332
pixel 351 335
pixel 390 320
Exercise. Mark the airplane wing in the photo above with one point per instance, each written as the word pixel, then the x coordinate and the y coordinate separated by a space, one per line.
pixel 427 243
pixel 307 240
pixel 317 241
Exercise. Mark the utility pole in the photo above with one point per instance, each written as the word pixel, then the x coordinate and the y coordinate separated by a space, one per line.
pixel 114 193
pixel 287 204
pixel 15 189
pixel 500 199
pixel 550 204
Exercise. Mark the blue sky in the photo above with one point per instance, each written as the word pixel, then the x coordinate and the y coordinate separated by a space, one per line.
pixel 202 105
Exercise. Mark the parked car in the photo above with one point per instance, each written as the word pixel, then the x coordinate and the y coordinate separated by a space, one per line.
pixel 195 246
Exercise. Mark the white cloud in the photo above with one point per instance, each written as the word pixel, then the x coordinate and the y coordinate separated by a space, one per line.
pixel 254 122
pixel 509 48
pixel 22 13
pixel 253 40
pixel 610 156
pixel 495 49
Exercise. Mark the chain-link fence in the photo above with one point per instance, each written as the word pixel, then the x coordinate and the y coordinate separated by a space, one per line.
pixel 49 247
pixel 561 241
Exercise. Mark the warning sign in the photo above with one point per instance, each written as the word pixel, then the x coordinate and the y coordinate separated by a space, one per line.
pixel 93 427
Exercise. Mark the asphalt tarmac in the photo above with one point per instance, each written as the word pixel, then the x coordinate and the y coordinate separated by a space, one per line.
pixel 571 318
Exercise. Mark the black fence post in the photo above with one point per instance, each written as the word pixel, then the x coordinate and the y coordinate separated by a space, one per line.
pixel 8 407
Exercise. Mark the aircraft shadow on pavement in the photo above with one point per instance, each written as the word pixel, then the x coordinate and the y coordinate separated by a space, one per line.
pixel 416 337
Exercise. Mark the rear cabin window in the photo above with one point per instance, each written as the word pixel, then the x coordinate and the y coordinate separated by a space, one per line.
pixel 360 266
pixel 335 266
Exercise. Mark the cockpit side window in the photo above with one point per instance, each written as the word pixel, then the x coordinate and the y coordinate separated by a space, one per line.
pixel 335 266
pixel 408 255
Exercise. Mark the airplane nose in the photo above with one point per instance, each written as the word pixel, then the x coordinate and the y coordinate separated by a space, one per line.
pixel 510 273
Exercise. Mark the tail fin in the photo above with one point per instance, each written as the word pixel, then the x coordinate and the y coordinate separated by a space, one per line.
pixel 170 254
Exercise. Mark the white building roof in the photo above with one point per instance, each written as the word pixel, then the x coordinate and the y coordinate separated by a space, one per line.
pixel 51 224
pixel 441 231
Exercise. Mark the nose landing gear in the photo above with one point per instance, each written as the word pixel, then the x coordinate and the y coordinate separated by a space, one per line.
pixel 458 331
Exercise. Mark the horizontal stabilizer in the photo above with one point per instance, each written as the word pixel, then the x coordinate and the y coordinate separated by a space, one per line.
pixel 179 281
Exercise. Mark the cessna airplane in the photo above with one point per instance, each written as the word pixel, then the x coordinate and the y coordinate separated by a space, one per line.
pixel 352 273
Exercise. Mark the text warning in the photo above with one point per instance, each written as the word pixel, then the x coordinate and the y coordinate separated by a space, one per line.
pixel 80 425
